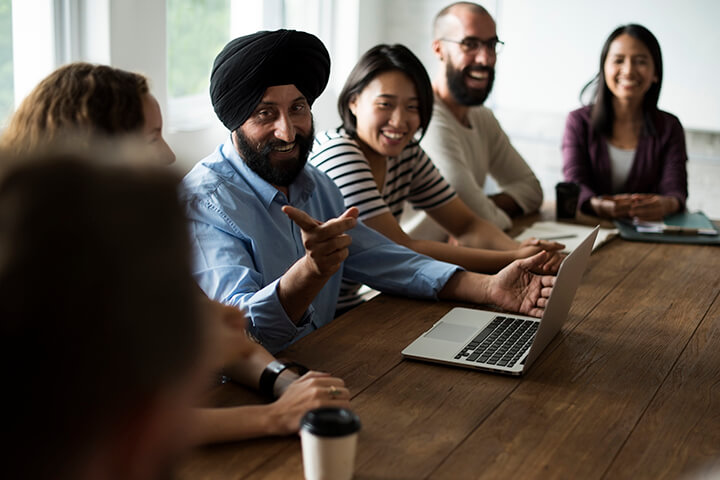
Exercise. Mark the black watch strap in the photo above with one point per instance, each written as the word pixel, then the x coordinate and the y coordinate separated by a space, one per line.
pixel 273 371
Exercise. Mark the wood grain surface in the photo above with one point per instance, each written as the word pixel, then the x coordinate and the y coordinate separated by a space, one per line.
pixel 630 388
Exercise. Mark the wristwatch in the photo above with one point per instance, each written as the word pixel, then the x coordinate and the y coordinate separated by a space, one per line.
pixel 273 371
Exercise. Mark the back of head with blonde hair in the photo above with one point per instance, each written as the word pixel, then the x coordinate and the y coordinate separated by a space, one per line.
pixel 85 98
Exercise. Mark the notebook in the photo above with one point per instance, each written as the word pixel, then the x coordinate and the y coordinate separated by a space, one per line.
pixel 500 342
pixel 685 227
pixel 569 234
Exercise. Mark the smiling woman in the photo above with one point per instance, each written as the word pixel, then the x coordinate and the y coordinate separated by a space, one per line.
pixel 375 160
pixel 628 157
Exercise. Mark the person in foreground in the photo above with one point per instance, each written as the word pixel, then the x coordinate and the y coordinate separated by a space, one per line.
pixel 117 103
pixel 465 140
pixel 103 352
pixel 375 160
pixel 271 233
pixel 628 157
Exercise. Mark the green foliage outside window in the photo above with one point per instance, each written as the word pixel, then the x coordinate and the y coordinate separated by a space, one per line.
pixel 6 60
pixel 197 31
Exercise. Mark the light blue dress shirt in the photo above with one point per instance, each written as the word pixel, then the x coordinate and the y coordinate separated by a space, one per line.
pixel 243 243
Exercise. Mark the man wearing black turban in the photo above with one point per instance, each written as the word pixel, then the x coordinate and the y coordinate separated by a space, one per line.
pixel 248 65
pixel 271 234
pixel 242 73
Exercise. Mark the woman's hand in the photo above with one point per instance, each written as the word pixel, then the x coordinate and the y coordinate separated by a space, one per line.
pixel 612 206
pixel 548 245
pixel 652 207
pixel 312 390
pixel 532 246
pixel 644 206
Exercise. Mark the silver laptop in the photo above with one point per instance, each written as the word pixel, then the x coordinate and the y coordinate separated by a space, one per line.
pixel 499 342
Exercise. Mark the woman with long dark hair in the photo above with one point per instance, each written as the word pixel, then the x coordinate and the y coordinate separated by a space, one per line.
pixel 628 156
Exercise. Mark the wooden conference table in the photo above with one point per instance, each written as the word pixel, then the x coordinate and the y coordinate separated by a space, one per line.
pixel 630 388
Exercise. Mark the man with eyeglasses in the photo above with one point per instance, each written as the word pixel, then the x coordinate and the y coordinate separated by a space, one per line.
pixel 464 139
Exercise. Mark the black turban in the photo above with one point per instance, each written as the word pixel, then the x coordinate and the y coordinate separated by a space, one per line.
pixel 248 65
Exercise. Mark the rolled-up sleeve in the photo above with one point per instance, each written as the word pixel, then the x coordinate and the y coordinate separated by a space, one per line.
pixel 224 269
pixel 269 321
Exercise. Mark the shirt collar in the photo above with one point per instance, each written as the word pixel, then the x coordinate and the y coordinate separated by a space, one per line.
pixel 299 190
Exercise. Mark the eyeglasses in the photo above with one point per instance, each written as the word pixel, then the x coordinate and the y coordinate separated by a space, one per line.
pixel 472 45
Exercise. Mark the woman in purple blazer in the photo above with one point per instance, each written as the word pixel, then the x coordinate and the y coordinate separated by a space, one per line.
pixel 627 156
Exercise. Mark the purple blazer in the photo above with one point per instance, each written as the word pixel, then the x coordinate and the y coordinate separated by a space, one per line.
pixel 658 167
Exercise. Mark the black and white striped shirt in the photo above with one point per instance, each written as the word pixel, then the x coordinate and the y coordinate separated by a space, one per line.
pixel 411 177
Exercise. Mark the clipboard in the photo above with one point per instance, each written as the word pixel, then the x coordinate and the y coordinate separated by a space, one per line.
pixel 678 222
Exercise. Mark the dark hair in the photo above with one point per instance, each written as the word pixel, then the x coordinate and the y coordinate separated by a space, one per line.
pixel 81 97
pixel 97 303
pixel 380 59
pixel 603 114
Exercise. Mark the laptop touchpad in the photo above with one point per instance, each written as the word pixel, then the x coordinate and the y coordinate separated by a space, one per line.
pixel 450 332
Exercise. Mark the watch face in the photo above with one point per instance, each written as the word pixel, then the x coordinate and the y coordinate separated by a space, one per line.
pixel 276 366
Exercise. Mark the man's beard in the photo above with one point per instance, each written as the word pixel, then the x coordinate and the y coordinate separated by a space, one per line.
pixel 463 94
pixel 258 159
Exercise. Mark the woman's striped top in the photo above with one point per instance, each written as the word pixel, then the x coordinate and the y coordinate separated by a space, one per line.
pixel 410 177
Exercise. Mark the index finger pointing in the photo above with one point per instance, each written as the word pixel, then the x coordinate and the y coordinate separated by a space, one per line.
pixel 301 219
pixel 351 212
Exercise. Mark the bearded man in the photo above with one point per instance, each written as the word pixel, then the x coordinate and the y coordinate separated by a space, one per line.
pixel 271 234
pixel 464 139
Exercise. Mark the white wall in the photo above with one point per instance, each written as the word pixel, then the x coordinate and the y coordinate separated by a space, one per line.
pixel 553 48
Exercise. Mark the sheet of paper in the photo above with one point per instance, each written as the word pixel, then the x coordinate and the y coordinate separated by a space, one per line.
pixel 569 234
pixel 697 222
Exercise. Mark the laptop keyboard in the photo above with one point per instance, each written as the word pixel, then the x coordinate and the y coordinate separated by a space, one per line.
pixel 501 343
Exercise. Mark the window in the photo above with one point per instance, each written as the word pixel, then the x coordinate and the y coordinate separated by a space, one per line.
pixel 6 61
pixel 196 31
pixel 302 15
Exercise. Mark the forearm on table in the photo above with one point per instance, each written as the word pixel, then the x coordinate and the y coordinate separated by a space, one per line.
pixel 473 259
pixel 216 425
pixel 467 287
pixel 247 371
pixel 484 234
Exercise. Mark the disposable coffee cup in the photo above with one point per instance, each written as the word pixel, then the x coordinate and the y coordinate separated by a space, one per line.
pixel 329 439
pixel 566 199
